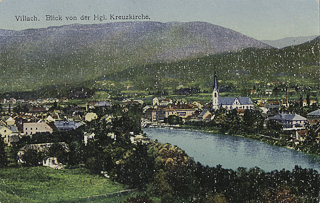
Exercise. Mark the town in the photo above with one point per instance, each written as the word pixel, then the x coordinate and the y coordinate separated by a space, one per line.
pixel 273 121
pixel 106 136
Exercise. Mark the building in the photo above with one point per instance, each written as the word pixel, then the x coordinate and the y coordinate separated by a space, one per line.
pixel 228 102
pixel 33 128
pixel 205 115
pixel 67 125
pixel 10 121
pixel 290 121
pixel 181 110
pixel 161 101
pixel 9 134
pixel 90 116
pixel 314 116
pixel 155 115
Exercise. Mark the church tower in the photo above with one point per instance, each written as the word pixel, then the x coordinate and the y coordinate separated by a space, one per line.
pixel 215 93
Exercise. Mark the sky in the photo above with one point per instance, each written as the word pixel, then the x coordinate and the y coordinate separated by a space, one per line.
pixel 260 19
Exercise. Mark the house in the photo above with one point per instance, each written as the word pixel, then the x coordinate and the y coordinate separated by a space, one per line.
pixel 290 121
pixel 50 119
pixel 9 134
pixel 252 92
pixel 52 162
pixel 87 136
pixel 90 116
pixel 181 110
pixel 314 116
pixel 205 115
pixel 10 121
pixel 305 102
pixel 198 104
pixel 155 115
pixel 161 101
pixel 37 127
pixel 268 92
pixel 63 99
pixel 229 102
pixel 97 104
pixel 139 139
pixel 3 100
pixel 301 135
pixel 67 125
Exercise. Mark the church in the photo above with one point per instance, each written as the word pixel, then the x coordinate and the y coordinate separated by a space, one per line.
pixel 228 102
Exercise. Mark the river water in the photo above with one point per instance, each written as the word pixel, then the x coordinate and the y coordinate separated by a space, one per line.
pixel 232 152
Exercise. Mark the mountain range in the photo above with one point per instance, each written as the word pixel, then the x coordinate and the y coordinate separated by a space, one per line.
pixel 289 41
pixel 34 58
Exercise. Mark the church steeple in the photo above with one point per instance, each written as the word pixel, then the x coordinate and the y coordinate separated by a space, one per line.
pixel 215 93
pixel 215 82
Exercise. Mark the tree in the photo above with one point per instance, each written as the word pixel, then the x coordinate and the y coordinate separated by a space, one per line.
pixel 32 157
pixel 252 120
pixel 301 101
pixel 3 155
pixel 59 151
pixel 174 120
pixel 308 99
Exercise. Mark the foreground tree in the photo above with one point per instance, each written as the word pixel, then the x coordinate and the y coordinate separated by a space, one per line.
pixel 3 155
pixel 32 157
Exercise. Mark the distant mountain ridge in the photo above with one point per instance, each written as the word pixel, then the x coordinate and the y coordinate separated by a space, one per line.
pixel 74 53
pixel 289 41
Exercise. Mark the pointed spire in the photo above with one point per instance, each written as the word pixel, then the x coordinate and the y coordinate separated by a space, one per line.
pixel 215 83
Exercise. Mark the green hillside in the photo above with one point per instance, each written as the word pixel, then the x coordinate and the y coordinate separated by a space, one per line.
pixel 296 65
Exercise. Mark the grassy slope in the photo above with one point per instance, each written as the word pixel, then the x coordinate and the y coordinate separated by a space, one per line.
pixel 41 184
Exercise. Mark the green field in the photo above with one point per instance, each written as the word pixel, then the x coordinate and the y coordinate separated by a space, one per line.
pixel 42 184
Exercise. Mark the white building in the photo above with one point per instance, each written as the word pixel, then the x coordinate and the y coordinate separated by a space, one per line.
pixel 33 128
pixel 229 102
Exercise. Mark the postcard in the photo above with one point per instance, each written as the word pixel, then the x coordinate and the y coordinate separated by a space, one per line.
pixel 159 101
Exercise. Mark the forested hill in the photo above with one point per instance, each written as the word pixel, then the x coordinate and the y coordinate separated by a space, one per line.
pixel 33 58
pixel 295 64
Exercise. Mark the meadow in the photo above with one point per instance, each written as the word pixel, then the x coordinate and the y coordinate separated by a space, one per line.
pixel 42 184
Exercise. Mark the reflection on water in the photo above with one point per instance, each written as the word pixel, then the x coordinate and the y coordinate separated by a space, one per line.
pixel 233 152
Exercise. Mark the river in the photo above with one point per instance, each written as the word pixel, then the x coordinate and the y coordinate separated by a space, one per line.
pixel 232 152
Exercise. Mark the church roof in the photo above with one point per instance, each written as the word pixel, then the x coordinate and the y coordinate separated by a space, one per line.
pixel 226 100
pixel 245 100
pixel 230 100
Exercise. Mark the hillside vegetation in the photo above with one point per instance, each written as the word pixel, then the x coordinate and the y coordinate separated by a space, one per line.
pixel 71 54
pixel 291 65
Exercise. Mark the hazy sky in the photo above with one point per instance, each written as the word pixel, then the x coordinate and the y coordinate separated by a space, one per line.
pixel 260 19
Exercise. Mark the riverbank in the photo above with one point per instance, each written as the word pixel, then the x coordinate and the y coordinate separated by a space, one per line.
pixel 282 141
pixel 232 152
